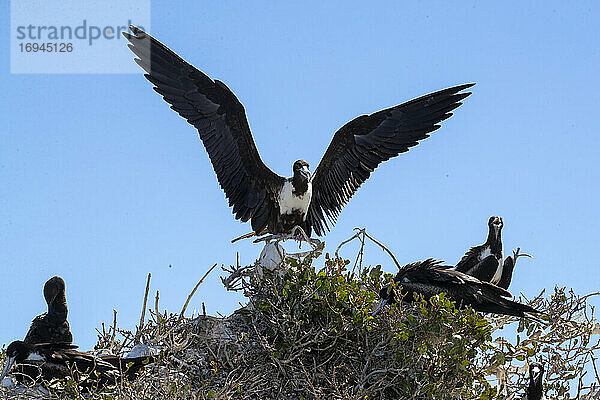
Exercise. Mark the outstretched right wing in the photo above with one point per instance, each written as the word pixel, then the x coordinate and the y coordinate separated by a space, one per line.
pixel 213 109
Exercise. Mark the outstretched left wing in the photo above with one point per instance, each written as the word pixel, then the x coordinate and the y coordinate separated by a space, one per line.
pixel 362 144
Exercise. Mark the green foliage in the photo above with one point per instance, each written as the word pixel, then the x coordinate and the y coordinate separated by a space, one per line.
pixel 322 320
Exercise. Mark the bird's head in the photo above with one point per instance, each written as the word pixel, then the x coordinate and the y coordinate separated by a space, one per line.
pixel 536 372
pixel 495 224
pixel 17 351
pixel 387 295
pixel 53 289
pixel 301 169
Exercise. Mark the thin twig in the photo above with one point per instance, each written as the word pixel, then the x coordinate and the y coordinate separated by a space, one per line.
pixel 385 249
pixel 114 329
pixel 362 231
pixel 194 291
pixel 356 235
pixel 143 317
pixel 156 305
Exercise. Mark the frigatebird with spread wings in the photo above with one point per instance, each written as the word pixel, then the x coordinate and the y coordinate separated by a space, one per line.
pixel 275 204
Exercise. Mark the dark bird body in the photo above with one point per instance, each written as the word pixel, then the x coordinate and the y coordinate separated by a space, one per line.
pixel 58 360
pixel 535 390
pixel 485 262
pixel 430 278
pixel 272 203
pixel 51 327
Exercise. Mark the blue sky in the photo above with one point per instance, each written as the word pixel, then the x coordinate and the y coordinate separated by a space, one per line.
pixel 102 183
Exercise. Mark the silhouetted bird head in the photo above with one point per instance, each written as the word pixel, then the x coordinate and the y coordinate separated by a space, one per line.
pixel 54 289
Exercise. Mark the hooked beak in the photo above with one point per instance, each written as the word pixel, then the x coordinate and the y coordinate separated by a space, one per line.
pixel 382 303
pixel 9 363
pixel 305 172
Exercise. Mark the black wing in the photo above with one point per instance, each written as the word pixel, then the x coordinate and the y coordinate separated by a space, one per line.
pixel 213 109
pixel 484 270
pixel 429 271
pixel 507 271
pixel 469 260
pixel 429 277
pixel 362 144
pixel 488 298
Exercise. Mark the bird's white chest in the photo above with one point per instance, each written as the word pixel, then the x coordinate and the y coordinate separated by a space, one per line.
pixel 289 202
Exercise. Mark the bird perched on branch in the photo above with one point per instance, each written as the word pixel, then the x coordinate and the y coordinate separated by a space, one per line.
pixel 430 278
pixel 486 262
pixel 275 204
pixel 46 361
pixel 51 326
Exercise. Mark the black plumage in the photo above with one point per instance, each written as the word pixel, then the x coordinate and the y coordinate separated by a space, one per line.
pixel 254 191
pixel 51 326
pixel 430 278
pixel 46 361
pixel 535 390
pixel 485 261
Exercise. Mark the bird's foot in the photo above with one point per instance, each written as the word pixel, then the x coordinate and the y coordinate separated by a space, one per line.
pixel 297 233
pixel 301 236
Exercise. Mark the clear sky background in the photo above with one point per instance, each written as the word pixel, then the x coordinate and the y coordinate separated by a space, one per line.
pixel 101 183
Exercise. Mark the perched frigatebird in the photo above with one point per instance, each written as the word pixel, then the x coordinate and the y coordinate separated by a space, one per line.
pixel 273 203
pixel 52 326
pixel 430 278
pixel 486 262
pixel 490 253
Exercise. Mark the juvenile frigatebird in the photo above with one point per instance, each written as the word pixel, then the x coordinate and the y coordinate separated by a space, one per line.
pixel 46 361
pixel 273 203
pixel 51 326
pixel 430 278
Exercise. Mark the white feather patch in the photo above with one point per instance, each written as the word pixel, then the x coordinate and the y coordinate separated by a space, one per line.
pixel 498 275
pixel 289 202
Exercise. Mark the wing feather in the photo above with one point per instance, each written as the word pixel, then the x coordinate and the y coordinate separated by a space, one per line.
pixel 358 147
pixel 250 186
